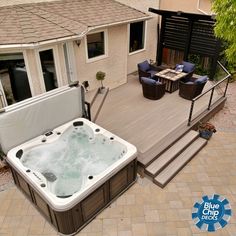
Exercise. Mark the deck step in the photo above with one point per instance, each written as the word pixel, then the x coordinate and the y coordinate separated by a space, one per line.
pixel 170 154
pixel 90 96
pixel 148 157
pixel 98 103
pixel 175 166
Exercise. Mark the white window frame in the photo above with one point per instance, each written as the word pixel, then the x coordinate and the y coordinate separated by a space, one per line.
pixel 144 40
pixel 105 55
pixel 56 63
pixel 27 71
pixel 72 72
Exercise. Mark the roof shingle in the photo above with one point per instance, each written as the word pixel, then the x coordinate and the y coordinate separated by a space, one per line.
pixel 31 23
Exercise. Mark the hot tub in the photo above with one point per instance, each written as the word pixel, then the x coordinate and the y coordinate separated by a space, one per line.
pixel 73 172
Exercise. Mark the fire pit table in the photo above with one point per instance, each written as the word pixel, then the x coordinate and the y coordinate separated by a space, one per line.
pixel 171 78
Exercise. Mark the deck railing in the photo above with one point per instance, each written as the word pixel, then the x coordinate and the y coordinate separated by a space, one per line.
pixel 210 90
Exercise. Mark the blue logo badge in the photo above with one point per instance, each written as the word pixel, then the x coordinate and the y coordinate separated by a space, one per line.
pixel 211 213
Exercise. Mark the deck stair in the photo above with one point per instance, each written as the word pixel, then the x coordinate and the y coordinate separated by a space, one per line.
pixel 96 100
pixel 172 160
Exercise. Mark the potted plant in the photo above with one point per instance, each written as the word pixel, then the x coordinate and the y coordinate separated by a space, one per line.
pixel 206 130
pixel 100 76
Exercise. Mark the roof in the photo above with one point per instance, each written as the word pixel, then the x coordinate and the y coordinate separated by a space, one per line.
pixel 37 22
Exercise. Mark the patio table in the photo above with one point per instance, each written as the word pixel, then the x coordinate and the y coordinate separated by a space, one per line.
pixel 171 78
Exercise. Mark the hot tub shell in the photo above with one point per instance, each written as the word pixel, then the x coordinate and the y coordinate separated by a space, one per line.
pixel 70 215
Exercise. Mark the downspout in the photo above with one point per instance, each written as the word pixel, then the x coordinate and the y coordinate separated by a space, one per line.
pixel 198 8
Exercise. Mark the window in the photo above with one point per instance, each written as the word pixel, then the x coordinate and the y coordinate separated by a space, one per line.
pixel 95 45
pixel 48 69
pixel 137 35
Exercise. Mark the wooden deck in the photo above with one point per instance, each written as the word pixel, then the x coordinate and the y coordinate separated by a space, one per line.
pixel 143 122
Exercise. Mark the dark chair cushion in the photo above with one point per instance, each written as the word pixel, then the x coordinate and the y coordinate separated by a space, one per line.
pixel 144 66
pixel 201 80
pixel 188 67
pixel 147 80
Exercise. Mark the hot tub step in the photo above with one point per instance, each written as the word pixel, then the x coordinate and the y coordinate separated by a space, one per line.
pixel 170 154
pixel 175 166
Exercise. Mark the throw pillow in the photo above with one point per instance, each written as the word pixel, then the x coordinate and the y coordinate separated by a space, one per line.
pixel 188 67
pixel 179 67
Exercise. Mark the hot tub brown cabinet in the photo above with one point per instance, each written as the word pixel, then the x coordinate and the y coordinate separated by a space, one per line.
pixel 73 220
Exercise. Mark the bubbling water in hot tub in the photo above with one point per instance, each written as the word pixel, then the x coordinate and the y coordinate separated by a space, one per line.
pixel 73 159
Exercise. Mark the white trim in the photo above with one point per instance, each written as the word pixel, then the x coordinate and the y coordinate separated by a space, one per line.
pixel 3 95
pixel 40 72
pixel 71 61
pixel 137 51
pixel 43 43
pixel 25 56
pixel 121 22
pixel 56 64
pixel 105 55
pixel 144 39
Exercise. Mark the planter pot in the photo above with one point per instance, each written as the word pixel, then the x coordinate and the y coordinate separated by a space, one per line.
pixel 102 90
pixel 206 134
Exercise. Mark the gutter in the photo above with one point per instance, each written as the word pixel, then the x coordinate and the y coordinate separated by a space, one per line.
pixel 75 37
pixel 38 44
pixel 119 23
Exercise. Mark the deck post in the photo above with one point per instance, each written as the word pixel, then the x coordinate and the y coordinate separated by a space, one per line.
pixel 226 87
pixel 190 113
pixel 212 92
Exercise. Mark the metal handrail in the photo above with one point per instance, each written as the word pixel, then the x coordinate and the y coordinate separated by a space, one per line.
pixel 212 89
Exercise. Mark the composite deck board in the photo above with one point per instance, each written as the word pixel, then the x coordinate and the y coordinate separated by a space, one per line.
pixel 163 160
pixel 145 122
pixel 175 166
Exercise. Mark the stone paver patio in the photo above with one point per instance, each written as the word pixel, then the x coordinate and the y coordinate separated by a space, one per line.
pixel 146 209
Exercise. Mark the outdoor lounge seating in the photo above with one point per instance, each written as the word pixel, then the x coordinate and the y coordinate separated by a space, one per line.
pixel 145 69
pixel 152 89
pixel 186 67
pixel 192 88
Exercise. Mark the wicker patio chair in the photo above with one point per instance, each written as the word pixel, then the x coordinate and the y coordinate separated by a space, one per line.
pixel 145 69
pixel 152 89
pixel 192 88
pixel 188 68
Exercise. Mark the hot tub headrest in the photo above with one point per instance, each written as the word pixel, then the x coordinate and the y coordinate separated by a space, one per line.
pixel 32 117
